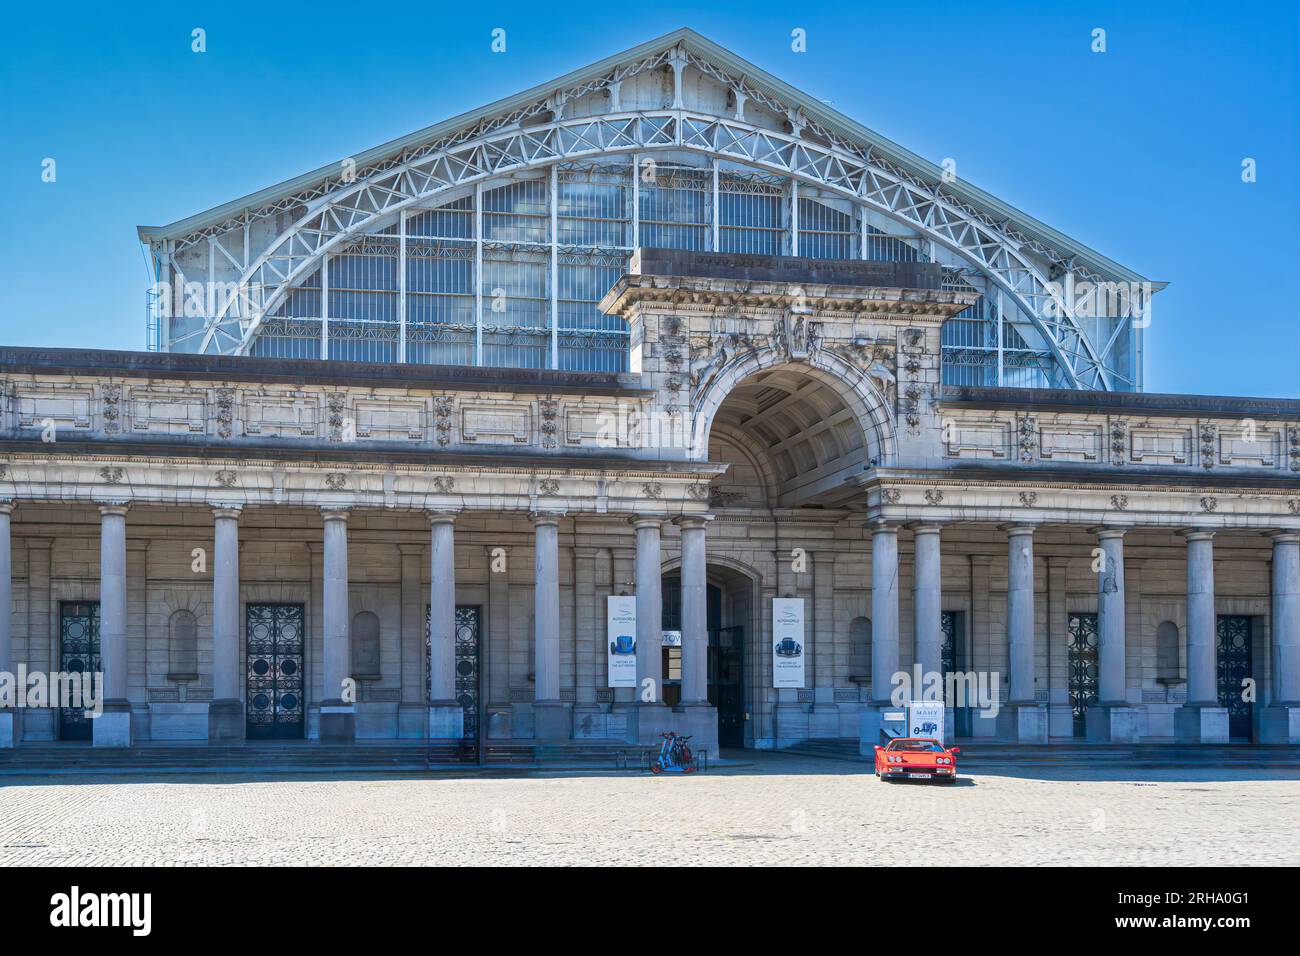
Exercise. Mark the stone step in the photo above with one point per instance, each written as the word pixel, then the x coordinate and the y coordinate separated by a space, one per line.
pixel 977 755
pixel 309 757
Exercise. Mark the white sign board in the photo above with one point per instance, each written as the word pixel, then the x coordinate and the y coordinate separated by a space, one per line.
pixel 672 638
pixel 620 621
pixel 787 642
pixel 925 719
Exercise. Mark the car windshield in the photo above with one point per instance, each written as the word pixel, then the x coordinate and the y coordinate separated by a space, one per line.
pixel 916 746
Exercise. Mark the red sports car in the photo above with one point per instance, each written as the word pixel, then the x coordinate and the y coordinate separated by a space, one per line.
pixel 916 758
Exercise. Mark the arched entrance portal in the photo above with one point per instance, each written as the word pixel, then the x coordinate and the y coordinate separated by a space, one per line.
pixel 730 606
pixel 805 428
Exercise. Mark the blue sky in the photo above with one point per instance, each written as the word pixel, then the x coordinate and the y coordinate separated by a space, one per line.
pixel 1136 152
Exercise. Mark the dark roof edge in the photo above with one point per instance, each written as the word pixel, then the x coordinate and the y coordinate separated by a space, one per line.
pixel 313 371
pixel 1125 403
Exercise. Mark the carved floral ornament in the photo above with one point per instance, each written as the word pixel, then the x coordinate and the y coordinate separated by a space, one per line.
pixel 336 481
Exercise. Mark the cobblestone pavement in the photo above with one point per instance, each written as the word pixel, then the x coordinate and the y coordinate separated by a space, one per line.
pixel 782 810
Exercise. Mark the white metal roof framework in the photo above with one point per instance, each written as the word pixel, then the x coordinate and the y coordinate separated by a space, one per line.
pixel 1009 250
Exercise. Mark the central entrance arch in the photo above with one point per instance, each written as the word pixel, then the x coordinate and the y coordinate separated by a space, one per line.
pixel 804 427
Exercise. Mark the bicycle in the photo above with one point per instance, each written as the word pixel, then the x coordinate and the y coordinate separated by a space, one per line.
pixel 674 756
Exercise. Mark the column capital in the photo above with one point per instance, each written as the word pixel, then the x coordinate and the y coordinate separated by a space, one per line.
pixel 1018 528
pixel 6 507
pixel 1104 532
pixel 647 521
pixel 442 516
pixel 692 521
pixel 1196 534
pixel 540 518
pixel 335 513
pixel 227 511
pixel 882 526
pixel 119 508
pixel 1284 537
pixel 924 527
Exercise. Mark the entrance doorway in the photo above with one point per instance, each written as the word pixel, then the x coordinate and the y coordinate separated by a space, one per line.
pixel 78 654
pixel 727 603
pixel 1234 661
pixel 953 655
pixel 275 706
pixel 467 667
pixel 1081 662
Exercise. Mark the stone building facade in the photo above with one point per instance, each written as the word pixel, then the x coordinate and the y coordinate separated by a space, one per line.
pixel 305 517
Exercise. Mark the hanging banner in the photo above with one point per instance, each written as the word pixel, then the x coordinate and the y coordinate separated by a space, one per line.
pixel 787 642
pixel 925 719
pixel 620 620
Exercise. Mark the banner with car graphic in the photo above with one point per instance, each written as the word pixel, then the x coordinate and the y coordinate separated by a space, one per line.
pixel 620 618
pixel 787 642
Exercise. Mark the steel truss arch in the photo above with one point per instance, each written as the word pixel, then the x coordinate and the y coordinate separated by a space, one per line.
pixel 879 186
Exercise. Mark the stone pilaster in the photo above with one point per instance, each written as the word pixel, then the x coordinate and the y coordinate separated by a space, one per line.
pixel 1201 720
pixel 649 716
pixel 884 631
pixel 112 728
pixel 552 721
pixel 337 715
pixel 1022 719
pixel 10 730
pixel 446 717
pixel 413 708
pixel 1111 719
pixel 1281 724
pixel 927 603
pixel 226 712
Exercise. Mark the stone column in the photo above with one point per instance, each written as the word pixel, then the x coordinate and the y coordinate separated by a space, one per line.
pixel 649 717
pixel 337 714
pixel 112 728
pixel 1111 719
pixel 226 712
pixel 698 718
pixel 695 625
pixel 649 611
pixel 446 716
pixel 9 719
pixel 1021 719
pixel 1281 723
pixel 413 710
pixel 927 605
pixel 551 716
pixel 884 631
pixel 1201 719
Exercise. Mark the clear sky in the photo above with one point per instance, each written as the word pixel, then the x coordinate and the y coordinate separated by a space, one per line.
pixel 1136 151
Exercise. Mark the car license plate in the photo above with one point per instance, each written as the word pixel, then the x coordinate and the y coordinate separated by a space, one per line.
pixel 920 776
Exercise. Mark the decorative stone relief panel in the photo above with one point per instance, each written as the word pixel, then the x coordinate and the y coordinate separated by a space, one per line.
pixel 402 419
pixel 285 413
pixel 1250 447
pixel 1151 445
pixel 496 423
pixel 605 426
pixel 977 439
pixel 35 405
pixel 1071 441
pixel 174 411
